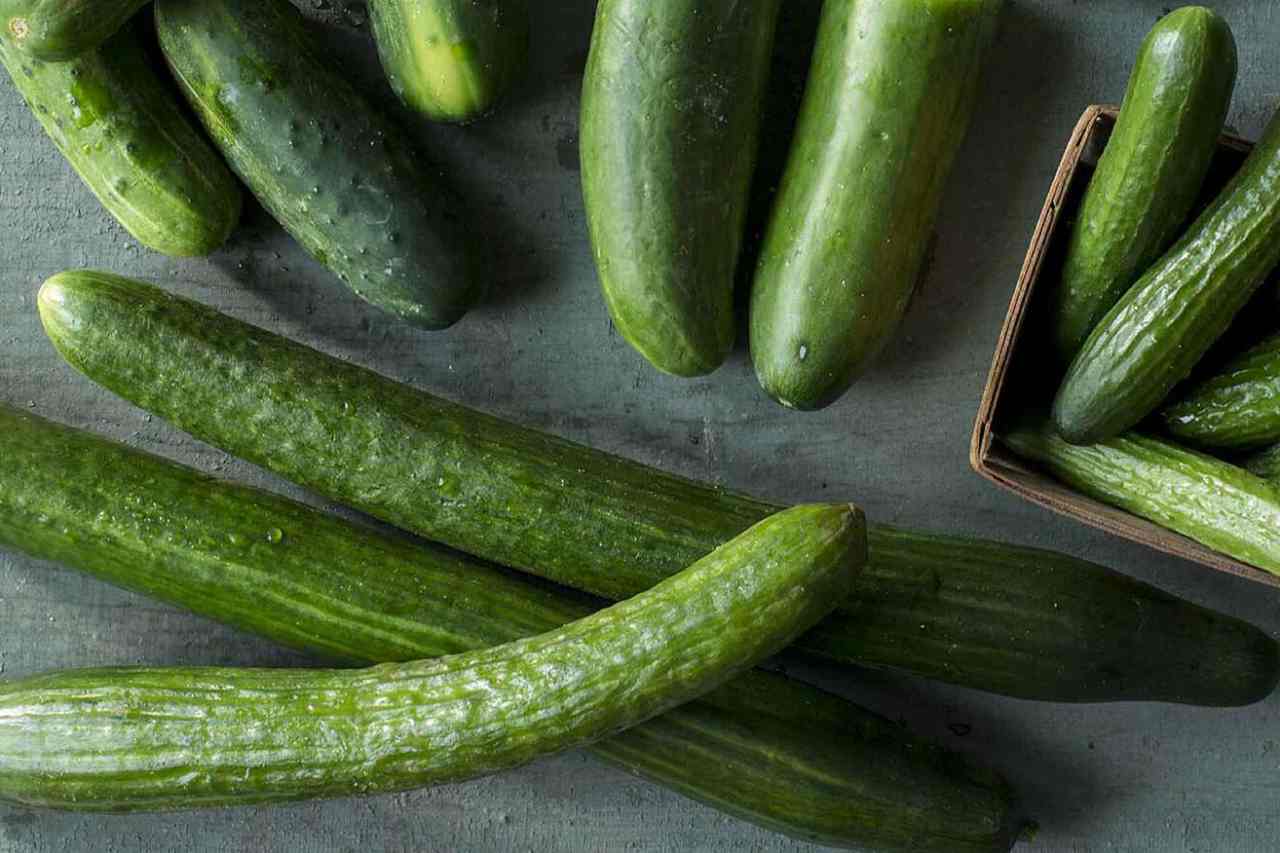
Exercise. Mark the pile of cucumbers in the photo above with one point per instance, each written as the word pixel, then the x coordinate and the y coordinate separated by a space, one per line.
pixel 657 594
pixel 1169 407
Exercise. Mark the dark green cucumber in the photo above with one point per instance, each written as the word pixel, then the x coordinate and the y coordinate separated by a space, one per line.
pixel 995 617
pixel 1153 337
pixel 451 60
pixel 338 175
pixel 1265 463
pixel 1152 170
pixel 886 107
pixel 1203 498
pixel 672 104
pixel 772 751
pixel 138 738
pixel 112 119
pixel 1236 409
pixel 59 30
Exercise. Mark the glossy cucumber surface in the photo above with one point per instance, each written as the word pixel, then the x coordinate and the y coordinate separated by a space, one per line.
pixel 1236 409
pixel 340 177
pixel 60 30
pixel 886 107
pixel 452 60
pixel 994 615
pixel 672 104
pixel 112 118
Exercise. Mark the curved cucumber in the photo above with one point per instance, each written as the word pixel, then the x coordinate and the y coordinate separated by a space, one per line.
pixel 339 176
pixel 1205 499
pixel 779 753
pixel 451 60
pixel 1152 170
pixel 996 617
pixel 1152 338
pixel 121 131
pixel 124 739
pixel 886 107
pixel 1237 409
pixel 59 30
pixel 672 104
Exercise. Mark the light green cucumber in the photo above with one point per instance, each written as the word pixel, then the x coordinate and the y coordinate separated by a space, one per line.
pixel 59 30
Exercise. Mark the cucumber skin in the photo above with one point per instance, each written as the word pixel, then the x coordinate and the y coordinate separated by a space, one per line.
pixel 1203 498
pixel 885 110
pixel 610 525
pixel 337 174
pixel 109 115
pixel 357 596
pixel 1151 173
pixel 672 104
pixel 1237 409
pixel 1153 337
pixel 61 30
pixel 1265 464
pixel 485 51
pixel 151 738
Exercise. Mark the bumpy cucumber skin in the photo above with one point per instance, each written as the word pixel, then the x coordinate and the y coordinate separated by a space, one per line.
pixel 1152 170
pixel 1152 338
pixel 139 738
pixel 60 30
pixel 338 175
pixel 1203 498
pixel 452 60
pixel 772 751
pixel 109 115
pixel 672 103
pixel 885 110
pixel 1237 409
pixel 592 520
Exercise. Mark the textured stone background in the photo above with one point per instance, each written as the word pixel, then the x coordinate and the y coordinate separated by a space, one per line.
pixel 1120 777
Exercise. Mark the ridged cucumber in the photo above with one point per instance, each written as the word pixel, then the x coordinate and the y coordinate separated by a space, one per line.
pixel 144 738
pixel 59 30
pixel 995 617
pixel 1203 498
pixel 1236 409
pixel 1152 170
pixel 112 119
pixel 343 179
pixel 451 60
pixel 773 751
pixel 672 104
pixel 885 109
pixel 1152 338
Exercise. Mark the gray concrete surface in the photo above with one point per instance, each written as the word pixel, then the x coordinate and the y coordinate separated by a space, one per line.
pixel 1098 778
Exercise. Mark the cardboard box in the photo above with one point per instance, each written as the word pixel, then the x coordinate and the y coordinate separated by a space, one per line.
pixel 1001 398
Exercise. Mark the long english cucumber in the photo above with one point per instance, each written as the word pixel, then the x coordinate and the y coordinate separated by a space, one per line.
pixel 1016 621
pixel 1237 408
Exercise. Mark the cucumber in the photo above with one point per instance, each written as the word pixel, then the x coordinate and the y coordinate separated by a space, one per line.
pixel 451 60
pixel 995 617
pixel 776 752
pixel 155 738
pixel 1213 502
pixel 59 30
pixel 1152 170
pixel 885 109
pixel 1152 338
pixel 1236 409
pixel 110 116
pixel 1265 463
pixel 338 175
pixel 672 104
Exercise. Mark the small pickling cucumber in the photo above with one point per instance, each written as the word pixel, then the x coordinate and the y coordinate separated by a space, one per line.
pixel 1153 337
pixel 672 104
pixel 451 60
pixel 58 30
pixel 885 110
pixel 340 177
pixel 111 117
pixel 1236 409
pixel 1152 170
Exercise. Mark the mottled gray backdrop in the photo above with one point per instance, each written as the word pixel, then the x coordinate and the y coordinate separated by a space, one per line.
pixel 1121 777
